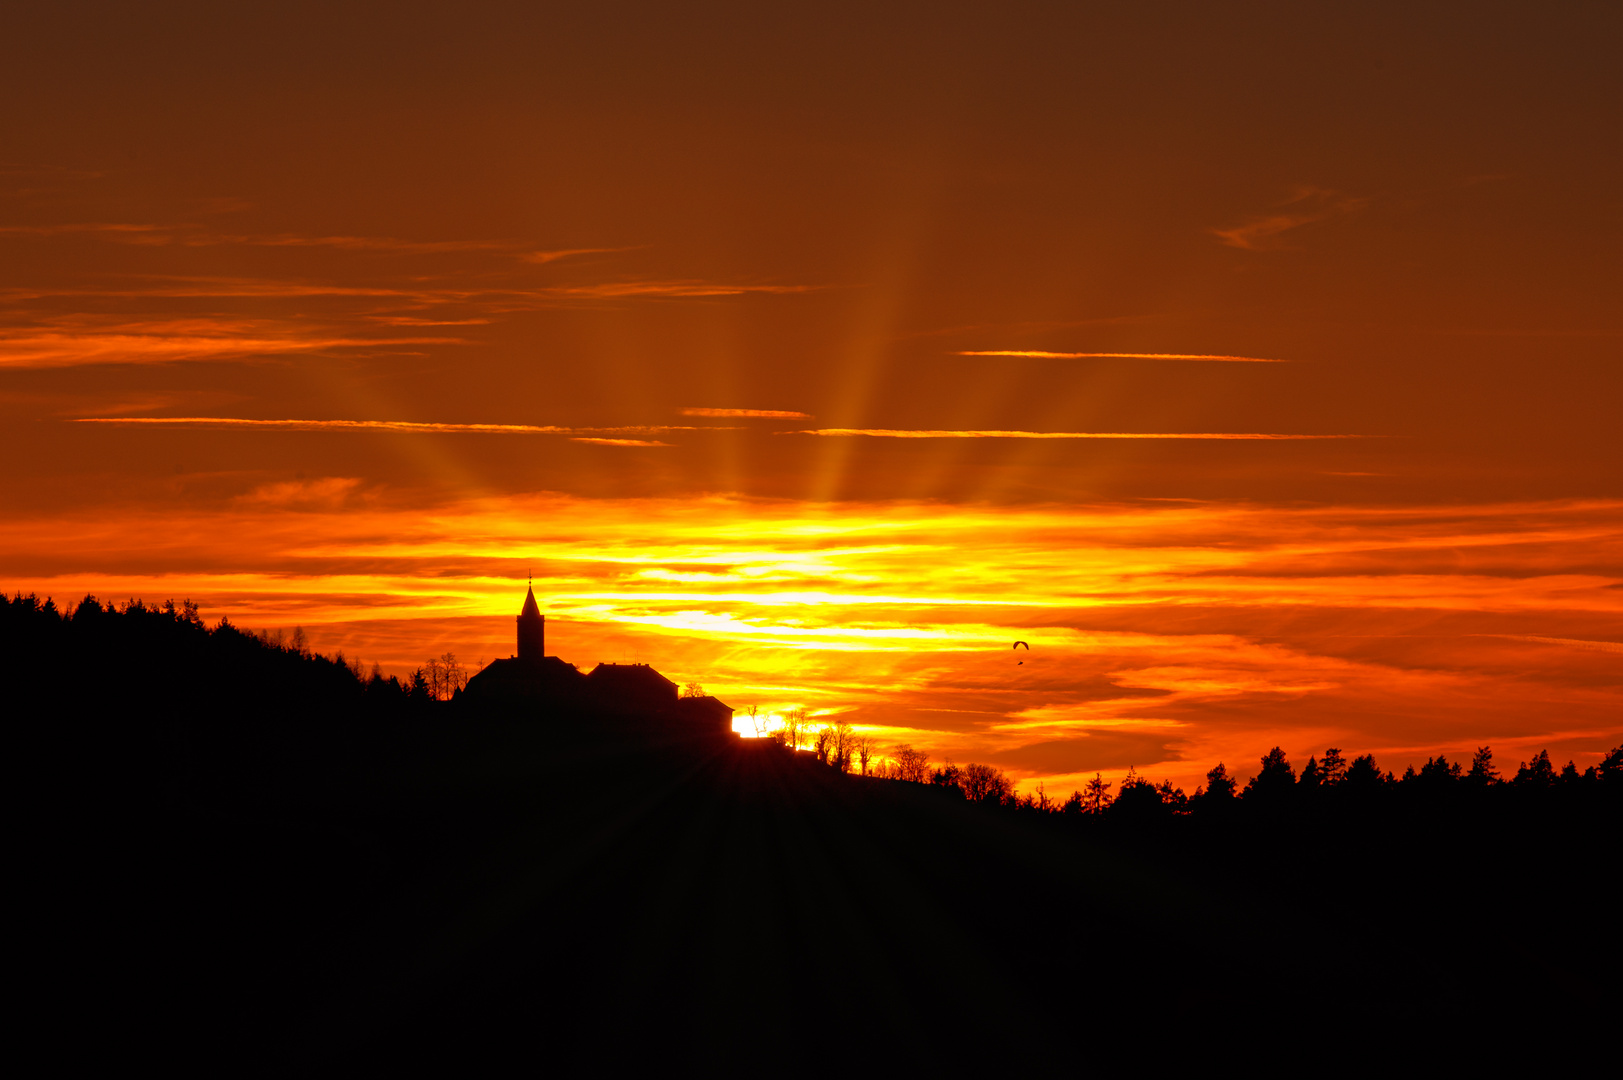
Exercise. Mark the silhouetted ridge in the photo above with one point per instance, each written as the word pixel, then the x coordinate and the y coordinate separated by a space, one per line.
pixel 270 859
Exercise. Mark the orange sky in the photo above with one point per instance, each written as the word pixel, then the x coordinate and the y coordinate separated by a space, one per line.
pixel 820 355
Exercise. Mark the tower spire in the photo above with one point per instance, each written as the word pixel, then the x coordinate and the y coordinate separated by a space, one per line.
pixel 532 628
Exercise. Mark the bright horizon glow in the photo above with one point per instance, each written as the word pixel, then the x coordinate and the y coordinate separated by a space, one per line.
pixel 1376 630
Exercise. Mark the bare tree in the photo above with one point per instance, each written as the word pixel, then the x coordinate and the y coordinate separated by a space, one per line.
pixel 911 765
pixel 842 745
pixel 300 642
pixel 985 783
pixel 693 689
pixel 866 753
pixel 796 725
pixel 453 676
pixel 823 743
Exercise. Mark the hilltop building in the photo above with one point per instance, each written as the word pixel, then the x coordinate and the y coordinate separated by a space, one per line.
pixel 549 685
pixel 532 630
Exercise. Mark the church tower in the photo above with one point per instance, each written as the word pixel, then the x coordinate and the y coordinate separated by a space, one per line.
pixel 532 631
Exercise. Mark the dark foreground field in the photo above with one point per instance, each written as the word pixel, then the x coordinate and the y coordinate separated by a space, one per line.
pixel 490 890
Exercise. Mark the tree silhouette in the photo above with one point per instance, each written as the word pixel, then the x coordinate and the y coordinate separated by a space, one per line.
pixel 1537 774
pixel 1140 799
pixel 795 724
pixel 1364 776
pixel 1311 776
pixel 911 765
pixel 1096 797
pixel 866 751
pixel 1275 779
pixel 983 783
pixel 1438 772
pixel 1610 770
pixel 444 676
pixel 842 745
pixel 823 743
pixel 1482 773
pixel 1219 785
pixel 1172 798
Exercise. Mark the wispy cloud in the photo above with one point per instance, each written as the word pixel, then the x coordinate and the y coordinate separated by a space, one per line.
pixel 620 442
pixel 193 235
pixel 772 414
pixel 900 433
pixel 565 253
pixel 417 320
pixel 617 289
pixel 161 342
pixel 209 287
pixel 1044 355
pixel 388 244
pixel 409 426
pixel 190 235
pixel 327 493
pixel 126 232
pixel 175 287
pixel 1305 206
pixel 1568 643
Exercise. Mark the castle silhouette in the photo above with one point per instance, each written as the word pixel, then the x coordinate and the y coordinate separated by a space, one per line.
pixel 549 685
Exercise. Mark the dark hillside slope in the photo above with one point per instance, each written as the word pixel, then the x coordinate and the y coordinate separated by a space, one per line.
pixel 252 860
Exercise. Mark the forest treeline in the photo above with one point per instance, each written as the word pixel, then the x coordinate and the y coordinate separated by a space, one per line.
pixel 164 660
pixel 135 644
pixel 1324 784
pixel 1331 782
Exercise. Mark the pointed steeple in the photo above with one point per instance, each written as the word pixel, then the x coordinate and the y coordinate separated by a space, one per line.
pixel 532 629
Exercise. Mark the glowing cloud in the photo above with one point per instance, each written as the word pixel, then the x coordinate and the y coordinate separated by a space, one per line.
pixel 773 414
pixel 565 253
pixel 618 289
pixel 897 433
pixel 409 426
pixel 619 442
pixel 1569 643
pixel 1042 355
pixel 162 342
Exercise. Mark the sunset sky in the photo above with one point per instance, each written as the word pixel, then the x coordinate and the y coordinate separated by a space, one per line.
pixel 1259 365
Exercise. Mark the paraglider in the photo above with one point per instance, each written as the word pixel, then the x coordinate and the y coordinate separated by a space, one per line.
pixel 1016 645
